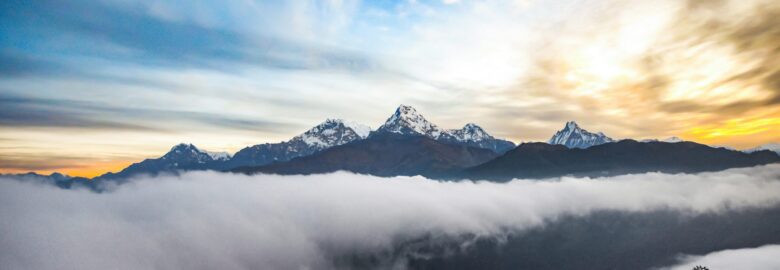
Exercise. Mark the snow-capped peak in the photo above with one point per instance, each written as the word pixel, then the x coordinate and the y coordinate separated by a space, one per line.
pixel 333 132
pixel 406 120
pixel 188 151
pixel 470 132
pixel 573 136
pixel 673 139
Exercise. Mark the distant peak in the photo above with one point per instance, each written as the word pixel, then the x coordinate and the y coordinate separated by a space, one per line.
pixel 673 139
pixel 573 136
pixel 332 132
pixel 182 146
pixel 474 129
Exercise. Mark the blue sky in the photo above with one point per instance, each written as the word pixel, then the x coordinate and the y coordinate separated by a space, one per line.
pixel 112 81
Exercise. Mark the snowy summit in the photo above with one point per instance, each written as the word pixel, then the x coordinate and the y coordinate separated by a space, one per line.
pixel 407 121
pixel 573 136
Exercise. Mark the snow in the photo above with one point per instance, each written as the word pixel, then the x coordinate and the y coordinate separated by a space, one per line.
pixel 312 140
pixel 360 129
pixel 573 136
pixel 406 118
pixel 470 132
pixel 218 155
pixel 672 140
pixel 193 150
pixel 333 132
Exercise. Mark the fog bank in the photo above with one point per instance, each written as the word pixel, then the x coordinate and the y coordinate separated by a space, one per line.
pixel 208 220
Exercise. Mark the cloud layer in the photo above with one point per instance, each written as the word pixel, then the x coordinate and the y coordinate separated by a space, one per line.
pixel 207 220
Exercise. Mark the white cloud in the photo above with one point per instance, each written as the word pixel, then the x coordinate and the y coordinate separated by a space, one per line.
pixel 207 220
pixel 760 258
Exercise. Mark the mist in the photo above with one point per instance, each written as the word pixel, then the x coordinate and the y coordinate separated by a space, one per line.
pixel 208 220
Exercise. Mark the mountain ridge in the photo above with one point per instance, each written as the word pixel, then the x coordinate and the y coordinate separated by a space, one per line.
pixel 541 160
pixel 407 122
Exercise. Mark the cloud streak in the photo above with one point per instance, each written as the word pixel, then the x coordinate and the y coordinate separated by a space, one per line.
pixel 206 220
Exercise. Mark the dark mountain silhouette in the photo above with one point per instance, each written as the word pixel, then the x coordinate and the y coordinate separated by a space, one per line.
pixel 182 157
pixel 57 179
pixel 384 154
pixel 539 160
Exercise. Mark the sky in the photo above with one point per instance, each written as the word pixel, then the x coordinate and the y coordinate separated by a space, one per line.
pixel 92 86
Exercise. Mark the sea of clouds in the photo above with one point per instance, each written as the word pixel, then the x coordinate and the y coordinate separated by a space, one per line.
pixel 210 220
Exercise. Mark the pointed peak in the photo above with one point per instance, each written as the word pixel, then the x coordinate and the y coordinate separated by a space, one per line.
pixel 406 120
pixel 406 110
pixel 573 136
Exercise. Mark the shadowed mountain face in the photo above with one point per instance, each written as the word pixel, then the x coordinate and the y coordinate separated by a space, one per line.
pixel 182 157
pixel 539 160
pixel 384 154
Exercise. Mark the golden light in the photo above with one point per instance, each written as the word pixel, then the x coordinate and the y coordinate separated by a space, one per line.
pixel 742 132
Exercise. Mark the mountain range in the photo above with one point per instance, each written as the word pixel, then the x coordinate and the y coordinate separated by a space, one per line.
pixel 408 144
pixel 404 122
pixel 540 160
